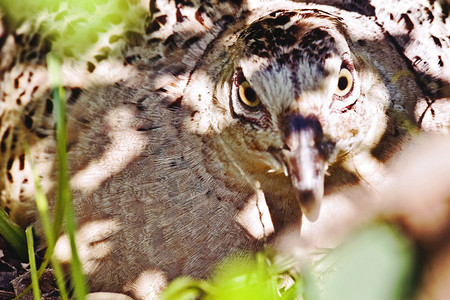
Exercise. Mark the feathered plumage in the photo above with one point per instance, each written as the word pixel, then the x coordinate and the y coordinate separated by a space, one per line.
pixel 215 127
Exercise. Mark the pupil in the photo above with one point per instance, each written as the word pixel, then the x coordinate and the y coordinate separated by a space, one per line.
pixel 343 83
pixel 250 94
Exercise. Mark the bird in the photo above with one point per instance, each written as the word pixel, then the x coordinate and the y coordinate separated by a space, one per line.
pixel 212 130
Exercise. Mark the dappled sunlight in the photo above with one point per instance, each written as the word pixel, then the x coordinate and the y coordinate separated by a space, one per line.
pixel 148 284
pixel 92 241
pixel 106 73
pixel 125 146
pixel 255 217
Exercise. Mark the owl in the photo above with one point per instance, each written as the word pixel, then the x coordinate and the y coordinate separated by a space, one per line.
pixel 216 126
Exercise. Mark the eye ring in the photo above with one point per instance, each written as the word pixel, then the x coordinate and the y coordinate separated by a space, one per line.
pixel 247 95
pixel 345 83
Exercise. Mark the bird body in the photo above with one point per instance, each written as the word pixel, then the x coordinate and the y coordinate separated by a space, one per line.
pixel 208 135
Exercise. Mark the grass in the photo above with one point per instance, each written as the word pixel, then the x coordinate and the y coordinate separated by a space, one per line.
pixel 45 219
pixel 13 234
pixel 64 206
pixel 63 212
pixel 32 259
pixel 71 36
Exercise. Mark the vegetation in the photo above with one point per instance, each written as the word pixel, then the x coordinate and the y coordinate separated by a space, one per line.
pixel 72 27
pixel 374 264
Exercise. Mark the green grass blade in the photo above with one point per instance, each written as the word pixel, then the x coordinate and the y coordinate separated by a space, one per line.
pixel 63 193
pixel 59 275
pixel 33 271
pixel 13 234
pixel 64 205
pixel 44 214
pixel 78 279
pixel 41 202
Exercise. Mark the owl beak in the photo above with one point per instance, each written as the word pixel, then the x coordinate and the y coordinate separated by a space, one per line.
pixel 305 161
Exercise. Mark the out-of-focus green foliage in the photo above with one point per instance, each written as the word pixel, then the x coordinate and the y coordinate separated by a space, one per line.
pixel 252 278
pixel 73 26
pixel 242 277
pixel 376 263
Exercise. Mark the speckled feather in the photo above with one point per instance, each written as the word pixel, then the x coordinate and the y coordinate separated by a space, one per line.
pixel 170 172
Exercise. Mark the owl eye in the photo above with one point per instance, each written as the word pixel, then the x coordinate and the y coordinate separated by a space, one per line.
pixel 345 83
pixel 248 95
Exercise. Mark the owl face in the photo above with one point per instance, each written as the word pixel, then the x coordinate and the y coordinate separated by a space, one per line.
pixel 295 85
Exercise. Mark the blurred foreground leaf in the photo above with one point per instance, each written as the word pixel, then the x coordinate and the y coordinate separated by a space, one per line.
pixel 184 288
pixel 241 276
pixel 375 264
pixel 14 235
pixel 72 27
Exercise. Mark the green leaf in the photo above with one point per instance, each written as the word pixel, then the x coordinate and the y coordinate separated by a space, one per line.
pixel 376 264
pixel 64 205
pixel 184 288
pixel 13 234
pixel 33 271
pixel 73 27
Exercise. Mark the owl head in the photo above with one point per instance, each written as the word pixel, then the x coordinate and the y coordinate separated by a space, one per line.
pixel 296 96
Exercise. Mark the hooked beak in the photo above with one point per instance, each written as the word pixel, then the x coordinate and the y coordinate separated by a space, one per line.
pixel 305 160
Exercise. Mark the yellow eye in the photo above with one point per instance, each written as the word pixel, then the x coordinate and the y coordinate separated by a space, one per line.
pixel 345 82
pixel 248 95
